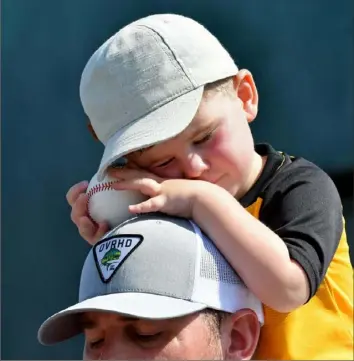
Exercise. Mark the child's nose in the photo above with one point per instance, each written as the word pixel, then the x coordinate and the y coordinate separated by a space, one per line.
pixel 194 166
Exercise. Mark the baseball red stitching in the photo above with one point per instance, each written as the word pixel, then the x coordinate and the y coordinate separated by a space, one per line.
pixel 99 188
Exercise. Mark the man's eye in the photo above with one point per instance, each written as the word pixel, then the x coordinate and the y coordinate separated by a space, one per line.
pixel 147 338
pixel 96 344
pixel 204 139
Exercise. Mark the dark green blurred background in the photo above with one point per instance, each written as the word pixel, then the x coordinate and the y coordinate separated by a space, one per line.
pixel 301 55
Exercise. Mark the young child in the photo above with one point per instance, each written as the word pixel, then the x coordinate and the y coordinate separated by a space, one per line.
pixel 165 94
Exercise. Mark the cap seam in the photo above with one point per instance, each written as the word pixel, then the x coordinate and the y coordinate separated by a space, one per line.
pixel 155 107
pixel 152 292
pixel 199 243
pixel 174 57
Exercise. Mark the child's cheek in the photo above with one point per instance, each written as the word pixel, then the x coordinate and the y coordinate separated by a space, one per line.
pixel 170 172
pixel 219 145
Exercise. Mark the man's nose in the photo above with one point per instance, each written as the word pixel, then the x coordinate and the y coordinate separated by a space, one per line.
pixel 119 349
pixel 194 165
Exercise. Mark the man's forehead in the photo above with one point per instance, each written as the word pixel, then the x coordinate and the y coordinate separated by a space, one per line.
pixel 92 319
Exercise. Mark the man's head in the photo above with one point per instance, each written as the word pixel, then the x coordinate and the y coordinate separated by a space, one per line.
pixel 198 336
pixel 167 82
pixel 156 287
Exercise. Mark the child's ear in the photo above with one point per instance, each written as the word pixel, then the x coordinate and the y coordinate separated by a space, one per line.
pixel 246 91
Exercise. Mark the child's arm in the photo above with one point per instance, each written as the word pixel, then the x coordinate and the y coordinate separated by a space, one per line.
pixel 284 269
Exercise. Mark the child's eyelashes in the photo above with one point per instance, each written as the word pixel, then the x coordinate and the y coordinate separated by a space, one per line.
pixel 200 141
pixel 205 138
pixel 164 164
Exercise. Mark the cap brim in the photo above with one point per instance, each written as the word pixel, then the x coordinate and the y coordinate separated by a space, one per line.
pixel 66 324
pixel 159 125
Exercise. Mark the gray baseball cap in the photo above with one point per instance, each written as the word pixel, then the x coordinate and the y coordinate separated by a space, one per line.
pixel 145 83
pixel 153 267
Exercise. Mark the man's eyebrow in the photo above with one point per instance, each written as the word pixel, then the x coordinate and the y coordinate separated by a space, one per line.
pixel 86 323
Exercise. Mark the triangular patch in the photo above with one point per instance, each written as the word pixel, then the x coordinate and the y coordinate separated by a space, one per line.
pixel 111 252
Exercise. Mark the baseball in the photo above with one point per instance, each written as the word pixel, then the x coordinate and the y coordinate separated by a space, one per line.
pixel 106 204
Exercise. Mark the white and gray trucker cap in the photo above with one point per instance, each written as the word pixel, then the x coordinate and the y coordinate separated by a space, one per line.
pixel 153 267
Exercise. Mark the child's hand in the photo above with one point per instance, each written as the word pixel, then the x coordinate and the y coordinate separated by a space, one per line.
pixel 77 199
pixel 170 196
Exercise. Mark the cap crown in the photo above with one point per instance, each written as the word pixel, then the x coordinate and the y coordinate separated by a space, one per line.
pixel 147 64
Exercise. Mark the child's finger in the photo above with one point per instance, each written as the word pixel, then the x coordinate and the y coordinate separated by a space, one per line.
pixel 87 230
pixel 75 191
pixel 146 186
pixel 154 204
pixel 129 174
pixel 103 228
pixel 79 208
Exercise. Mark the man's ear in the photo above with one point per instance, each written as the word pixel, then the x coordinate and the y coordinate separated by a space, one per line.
pixel 247 93
pixel 240 334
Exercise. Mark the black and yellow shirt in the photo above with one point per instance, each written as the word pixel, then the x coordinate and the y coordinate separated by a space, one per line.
pixel 301 204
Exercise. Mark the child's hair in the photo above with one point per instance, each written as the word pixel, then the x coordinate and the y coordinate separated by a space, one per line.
pixel 223 85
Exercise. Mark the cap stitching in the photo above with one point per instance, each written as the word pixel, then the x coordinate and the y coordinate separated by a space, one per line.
pixel 155 107
pixel 199 243
pixel 174 57
pixel 166 100
pixel 144 290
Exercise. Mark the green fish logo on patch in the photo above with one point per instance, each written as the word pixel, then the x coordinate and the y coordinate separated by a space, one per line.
pixel 110 257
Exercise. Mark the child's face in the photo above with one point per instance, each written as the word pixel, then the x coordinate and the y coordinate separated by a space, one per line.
pixel 217 146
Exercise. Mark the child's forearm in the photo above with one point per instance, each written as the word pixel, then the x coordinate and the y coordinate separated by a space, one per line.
pixel 258 255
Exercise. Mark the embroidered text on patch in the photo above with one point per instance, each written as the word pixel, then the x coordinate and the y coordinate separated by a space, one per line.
pixel 111 252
